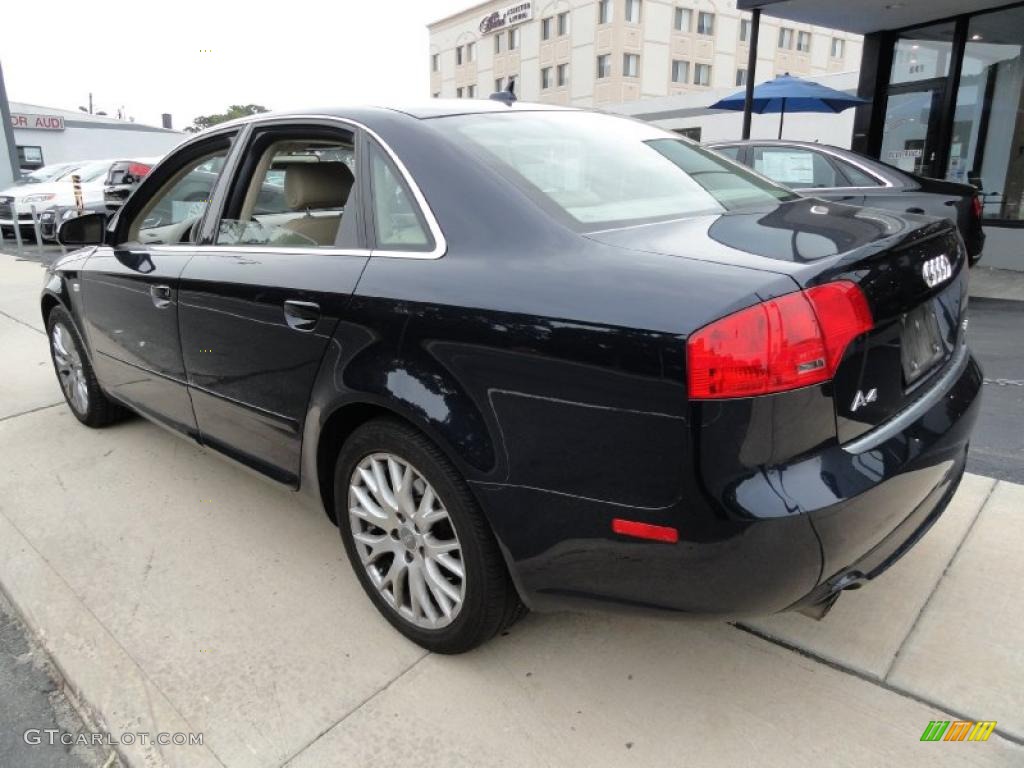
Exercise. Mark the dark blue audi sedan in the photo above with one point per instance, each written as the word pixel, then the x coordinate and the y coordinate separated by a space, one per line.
pixel 533 357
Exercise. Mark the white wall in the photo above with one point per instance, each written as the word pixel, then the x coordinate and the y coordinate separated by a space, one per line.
pixel 97 143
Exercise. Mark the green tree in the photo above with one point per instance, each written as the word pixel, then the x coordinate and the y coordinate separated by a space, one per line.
pixel 235 110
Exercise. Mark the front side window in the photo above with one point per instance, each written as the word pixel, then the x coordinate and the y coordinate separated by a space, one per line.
pixel 398 224
pixel 705 24
pixel 296 195
pixel 168 217
pixel 630 65
pixel 604 65
pixel 633 11
pixel 803 42
pixel 604 12
pixel 702 74
pixel 683 19
pixel 680 71
pixel 563 23
pixel 595 171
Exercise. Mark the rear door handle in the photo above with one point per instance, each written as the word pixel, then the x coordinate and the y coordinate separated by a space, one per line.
pixel 161 295
pixel 301 315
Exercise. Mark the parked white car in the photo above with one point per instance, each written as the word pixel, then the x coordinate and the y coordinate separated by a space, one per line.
pixel 17 201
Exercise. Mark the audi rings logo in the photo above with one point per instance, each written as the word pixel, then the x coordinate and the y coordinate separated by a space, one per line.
pixel 937 270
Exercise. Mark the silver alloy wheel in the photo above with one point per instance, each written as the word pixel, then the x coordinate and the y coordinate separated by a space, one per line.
pixel 69 368
pixel 406 541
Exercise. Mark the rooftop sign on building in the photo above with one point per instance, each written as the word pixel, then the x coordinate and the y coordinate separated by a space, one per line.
pixel 506 17
pixel 37 122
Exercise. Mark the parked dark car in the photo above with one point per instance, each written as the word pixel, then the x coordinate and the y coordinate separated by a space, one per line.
pixel 843 176
pixel 122 179
pixel 526 355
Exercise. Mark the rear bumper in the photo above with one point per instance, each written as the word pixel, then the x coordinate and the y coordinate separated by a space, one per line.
pixel 774 539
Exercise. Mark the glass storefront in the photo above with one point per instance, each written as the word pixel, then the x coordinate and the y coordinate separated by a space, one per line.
pixel 987 146
pixel 982 141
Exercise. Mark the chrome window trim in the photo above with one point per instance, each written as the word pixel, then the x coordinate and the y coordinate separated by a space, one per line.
pixel 440 243
pixel 884 183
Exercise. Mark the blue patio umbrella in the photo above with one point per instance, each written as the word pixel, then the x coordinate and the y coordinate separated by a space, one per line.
pixel 791 94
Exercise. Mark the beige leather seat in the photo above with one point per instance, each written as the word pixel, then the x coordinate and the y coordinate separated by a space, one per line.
pixel 316 186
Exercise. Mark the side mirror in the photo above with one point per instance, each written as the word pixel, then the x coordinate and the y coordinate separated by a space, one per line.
pixel 87 229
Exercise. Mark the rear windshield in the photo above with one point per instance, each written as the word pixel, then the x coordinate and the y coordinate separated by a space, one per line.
pixel 599 171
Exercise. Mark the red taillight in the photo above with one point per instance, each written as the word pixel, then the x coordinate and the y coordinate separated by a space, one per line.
pixel 138 170
pixel 645 530
pixel 784 343
pixel 976 206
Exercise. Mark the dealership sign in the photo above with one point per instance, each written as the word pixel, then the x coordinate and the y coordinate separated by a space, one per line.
pixel 37 122
pixel 506 17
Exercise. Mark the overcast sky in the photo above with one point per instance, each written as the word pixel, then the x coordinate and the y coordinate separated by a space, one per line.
pixel 150 57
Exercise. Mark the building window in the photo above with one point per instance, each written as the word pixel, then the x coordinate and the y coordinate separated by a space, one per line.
pixel 680 71
pixel 470 91
pixel 470 52
pixel 604 12
pixel 785 38
pixel 499 85
pixel 545 78
pixel 683 20
pixel 436 95
pixel 458 93
pixel 630 65
pixel 435 62
pixel 545 28
pixel 604 65
pixel 705 24
pixel 744 30
pixel 803 42
pixel 458 56
pixel 633 11
pixel 838 47
pixel 563 23
pixel 497 43
pixel 741 77
pixel 513 39
pixel 562 73
pixel 702 74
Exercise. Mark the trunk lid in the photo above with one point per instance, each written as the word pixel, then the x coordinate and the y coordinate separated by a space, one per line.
pixel 912 270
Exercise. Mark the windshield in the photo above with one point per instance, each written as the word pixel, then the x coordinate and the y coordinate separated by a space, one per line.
pixel 599 171
pixel 46 173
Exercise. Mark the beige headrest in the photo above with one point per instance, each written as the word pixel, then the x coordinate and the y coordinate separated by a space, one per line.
pixel 317 185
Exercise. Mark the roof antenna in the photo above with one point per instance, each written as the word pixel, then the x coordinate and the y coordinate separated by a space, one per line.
pixel 508 96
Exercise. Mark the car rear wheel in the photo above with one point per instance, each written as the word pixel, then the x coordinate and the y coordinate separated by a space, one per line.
pixel 418 542
pixel 75 375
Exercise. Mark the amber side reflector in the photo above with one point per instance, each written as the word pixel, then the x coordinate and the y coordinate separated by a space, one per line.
pixel 645 530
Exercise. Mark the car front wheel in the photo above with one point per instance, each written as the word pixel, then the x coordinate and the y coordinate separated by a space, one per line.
pixel 75 375
pixel 418 542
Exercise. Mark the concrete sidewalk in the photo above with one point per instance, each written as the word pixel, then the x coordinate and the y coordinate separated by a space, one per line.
pixel 177 593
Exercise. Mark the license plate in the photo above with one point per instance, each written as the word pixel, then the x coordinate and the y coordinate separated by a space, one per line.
pixel 921 344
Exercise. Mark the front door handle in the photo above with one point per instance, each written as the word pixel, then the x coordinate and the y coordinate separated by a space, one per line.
pixel 301 315
pixel 161 295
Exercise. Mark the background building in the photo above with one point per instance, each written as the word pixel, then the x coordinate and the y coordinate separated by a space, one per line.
pixel 44 136
pixel 599 52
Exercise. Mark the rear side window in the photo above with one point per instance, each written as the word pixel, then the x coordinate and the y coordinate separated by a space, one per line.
pixel 733 153
pixel 796 167
pixel 396 218
pixel 856 176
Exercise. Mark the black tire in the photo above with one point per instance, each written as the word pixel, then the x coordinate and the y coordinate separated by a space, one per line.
pixel 490 601
pixel 99 410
